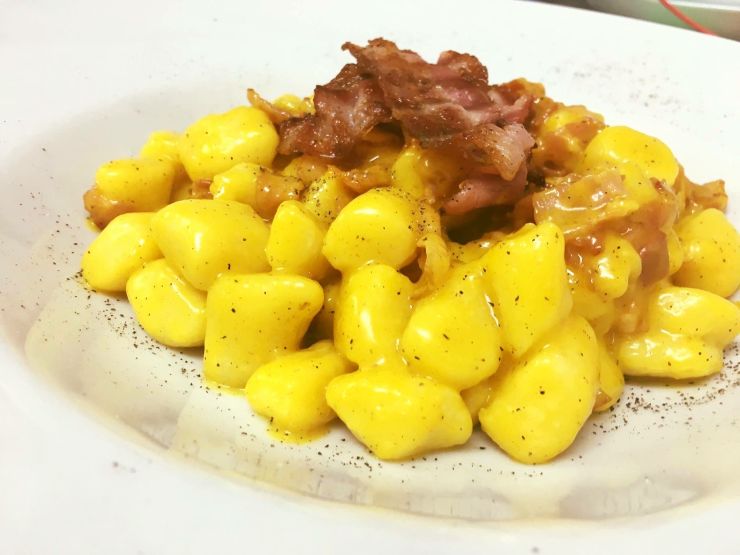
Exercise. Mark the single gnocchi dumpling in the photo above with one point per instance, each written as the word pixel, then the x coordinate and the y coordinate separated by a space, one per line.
pixel 687 331
pixel 163 145
pixel 622 148
pixel 295 242
pixel 425 174
pixel 538 404
pixel 291 390
pixel 398 415
pixel 615 268
pixel 326 197
pixel 239 183
pixel 309 169
pixel 526 279
pixel 711 253
pixel 376 227
pixel 202 239
pixel 145 184
pixel 218 142
pixel 168 308
pixel 453 349
pixel 372 310
pixel 124 246
pixel 254 319
pixel 131 185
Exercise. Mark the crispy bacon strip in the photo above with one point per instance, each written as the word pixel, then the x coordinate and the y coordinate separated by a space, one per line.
pixel 500 150
pixel 516 99
pixel 433 102
pixel 448 104
pixel 347 107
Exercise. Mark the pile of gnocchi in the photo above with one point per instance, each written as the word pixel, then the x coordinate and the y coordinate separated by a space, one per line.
pixel 319 301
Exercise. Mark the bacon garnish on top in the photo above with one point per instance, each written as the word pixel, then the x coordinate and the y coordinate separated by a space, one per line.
pixel 347 108
pixel 444 105
pixel 433 102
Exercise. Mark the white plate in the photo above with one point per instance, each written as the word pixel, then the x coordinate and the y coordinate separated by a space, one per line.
pixel 80 90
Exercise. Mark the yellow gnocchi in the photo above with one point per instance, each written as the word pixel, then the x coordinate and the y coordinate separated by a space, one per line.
pixel 295 242
pixel 711 253
pixel 615 267
pixel 161 145
pixel 291 390
pixel 373 307
pixel 203 239
pixel 454 350
pixel 687 330
pixel 238 183
pixel 217 142
pixel 124 246
pixel 254 319
pixel 422 175
pixel 538 404
pixel 398 415
pixel 623 148
pixel 526 279
pixel 326 276
pixel 326 196
pixel 168 308
pixel 130 185
pixel 379 226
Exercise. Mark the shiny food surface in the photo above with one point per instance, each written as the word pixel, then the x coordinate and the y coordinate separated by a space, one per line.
pixel 508 265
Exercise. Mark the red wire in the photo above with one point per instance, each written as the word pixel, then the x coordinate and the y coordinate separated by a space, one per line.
pixel 685 18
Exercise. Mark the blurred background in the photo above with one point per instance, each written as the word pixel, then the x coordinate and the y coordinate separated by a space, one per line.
pixel 722 17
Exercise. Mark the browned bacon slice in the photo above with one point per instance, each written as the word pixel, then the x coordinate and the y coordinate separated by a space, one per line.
pixel 448 104
pixel 515 99
pixel 517 111
pixel 347 108
pixel 500 150
pixel 433 102
pixel 485 190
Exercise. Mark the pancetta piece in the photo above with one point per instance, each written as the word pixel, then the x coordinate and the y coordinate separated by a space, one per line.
pixel 500 150
pixel 444 105
pixel 347 108
pixel 433 102
pixel 485 190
